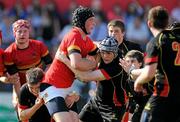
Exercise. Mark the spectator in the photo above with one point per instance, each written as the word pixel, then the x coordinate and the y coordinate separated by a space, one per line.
pixel 116 28
pixel 138 32
pixel 176 12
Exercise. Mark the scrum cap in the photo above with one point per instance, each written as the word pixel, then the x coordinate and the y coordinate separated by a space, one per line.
pixel 109 44
pixel 80 15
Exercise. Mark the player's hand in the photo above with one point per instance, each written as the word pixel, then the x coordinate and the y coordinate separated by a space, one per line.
pixel 4 79
pixel 39 101
pixel 71 99
pixel 92 93
pixel 125 65
pixel 13 78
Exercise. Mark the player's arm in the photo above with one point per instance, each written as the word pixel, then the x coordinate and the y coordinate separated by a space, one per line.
pixel 14 79
pixel 147 74
pixel 12 70
pixel 75 54
pixel 16 84
pixel 85 64
pixel 45 56
pixel 6 78
pixel 130 69
pixel 95 75
pixel 3 78
pixel 135 73
pixel 82 64
pixel 26 114
pixel 86 76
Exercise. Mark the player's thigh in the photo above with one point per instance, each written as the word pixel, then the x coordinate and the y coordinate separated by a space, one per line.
pixel 156 110
pixel 74 116
pixel 63 117
pixel 56 105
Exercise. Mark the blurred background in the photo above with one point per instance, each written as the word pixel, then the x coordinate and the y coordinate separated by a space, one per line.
pixel 51 20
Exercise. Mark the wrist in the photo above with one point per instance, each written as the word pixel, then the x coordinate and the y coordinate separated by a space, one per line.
pixel 77 96
pixel 131 69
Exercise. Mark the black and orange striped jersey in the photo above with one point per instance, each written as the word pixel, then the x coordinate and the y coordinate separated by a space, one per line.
pixel 27 100
pixel 20 60
pixel 111 89
pixel 165 51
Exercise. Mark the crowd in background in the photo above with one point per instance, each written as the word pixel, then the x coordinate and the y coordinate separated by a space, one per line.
pixel 50 26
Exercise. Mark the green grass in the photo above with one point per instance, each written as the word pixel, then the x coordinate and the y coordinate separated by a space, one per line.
pixel 7 114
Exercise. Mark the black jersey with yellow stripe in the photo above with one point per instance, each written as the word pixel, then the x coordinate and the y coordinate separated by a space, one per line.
pixel 165 51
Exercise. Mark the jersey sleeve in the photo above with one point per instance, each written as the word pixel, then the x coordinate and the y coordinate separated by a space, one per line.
pixel 46 57
pixel 93 48
pixel 23 97
pixel 112 70
pixel 75 45
pixel 106 75
pixel 8 61
pixel 151 52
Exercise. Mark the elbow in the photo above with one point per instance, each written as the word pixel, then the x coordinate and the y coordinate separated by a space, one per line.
pixel 22 117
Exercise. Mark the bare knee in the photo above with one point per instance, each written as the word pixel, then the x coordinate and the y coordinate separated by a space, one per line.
pixel 75 116
pixel 63 117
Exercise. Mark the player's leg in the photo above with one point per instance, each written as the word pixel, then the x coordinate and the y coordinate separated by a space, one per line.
pixel 59 111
